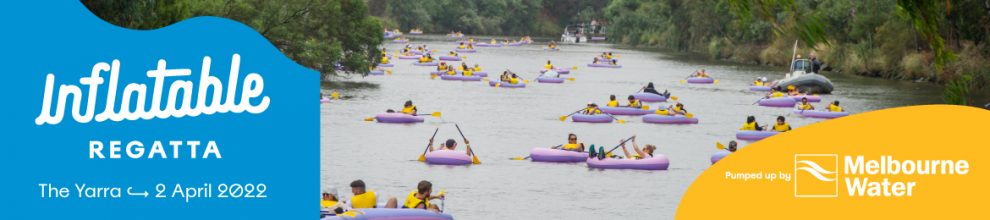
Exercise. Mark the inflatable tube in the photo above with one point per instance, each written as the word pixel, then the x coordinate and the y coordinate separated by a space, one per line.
pixel 410 57
pixel 466 50
pixel 557 155
pixel 754 135
pixel 820 114
pixel 400 41
pixel 667 119
pixel 385 65
pixel 376 72
pixel 425 64
pixel 719 155
pixel 597 38
pixel 700 80
pixel 812 83
pixel 487 45
pixel 811 98
pixel 393 214
pixel 784 102
pixel 398 118
pixel 416 52
pixel 324 100
pixel 649 97
pixel 507 85
pixel 759 88
pixel 601 118
pixel 657 162
pixel 604 65
pixel 448 157
pixel 415 32
pixel 514 44
pixel 460 77
pixel 549 80
pixel 559 71
pixel 450 58
pixel 624 110
pixel 480 73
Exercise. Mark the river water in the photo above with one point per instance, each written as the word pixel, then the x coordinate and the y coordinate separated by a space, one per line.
pixel 503 123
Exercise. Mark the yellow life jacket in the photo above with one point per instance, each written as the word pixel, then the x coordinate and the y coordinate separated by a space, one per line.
pixel 750 126
pixel 384 60
pixel 366 200
pixel 412 201
pixel 571 146
pixel 451 72
pixel 592 111
pixel 514 80
pixel 834 108
pixel 781 127
pixel 805 106
pixel 422 59
pixel 461 46
pixel 461 68
pixel 442 67
pixel 613 103
pixel 468 72
pixel 634 103
pixel 608 57
pixel 678 109
pixel 548 66
pixel 758 83
pixel 477 68
pixel 408 110
pixel 327 203
pixel 776 94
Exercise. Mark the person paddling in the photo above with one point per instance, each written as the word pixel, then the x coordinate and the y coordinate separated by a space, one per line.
pixel 633 102
pixel 834 107
pixel 451 144
pixel 592 109
pixel 612 102
pixel 420 198
pixel 732 146
pixel 409 108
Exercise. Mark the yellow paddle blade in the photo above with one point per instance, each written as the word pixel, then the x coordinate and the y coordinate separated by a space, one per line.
pixel 433 76
pixel 716 81
pixel 673 98
pixel 683 81
pixel 498 85
pixel 689 115
pixel 571 78
pixel 442 192
pixel 422 158
pixel 474 159
pixel 622 121
pixel 719 146
pixel 517 158
pixel 525 81
pixel 389 72
pixel 646 107
pixel 369 119
pixel 574 68
pixel 435 114
pixel 335 95
pixel 562 118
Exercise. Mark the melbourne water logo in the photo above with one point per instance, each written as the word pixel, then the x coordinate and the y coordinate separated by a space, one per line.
pixel 816 175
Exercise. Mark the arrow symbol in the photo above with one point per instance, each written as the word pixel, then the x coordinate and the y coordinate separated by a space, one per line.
pixel 145 193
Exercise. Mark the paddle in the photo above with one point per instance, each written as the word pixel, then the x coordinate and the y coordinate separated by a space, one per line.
pixel 562 118
pixel 616 119
pixel 335 95
pixel 719 145
pixel 527 157
pixel 442 200
pixel 422 157
pixel 474 157
pixel 620 144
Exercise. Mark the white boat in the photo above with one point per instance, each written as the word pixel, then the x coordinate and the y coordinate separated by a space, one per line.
pixel 804 79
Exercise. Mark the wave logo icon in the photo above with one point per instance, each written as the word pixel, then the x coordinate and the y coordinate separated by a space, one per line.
pixel 816 175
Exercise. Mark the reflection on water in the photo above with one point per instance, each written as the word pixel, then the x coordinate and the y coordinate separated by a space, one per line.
pixel 503 123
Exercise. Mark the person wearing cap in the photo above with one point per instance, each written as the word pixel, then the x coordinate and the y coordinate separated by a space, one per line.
pixel 612 102
pixel 759 82
pixel 420 198
pixel 645 153
pixel 792 91
pixel 366 199
pixel 451 144
pixel 592 109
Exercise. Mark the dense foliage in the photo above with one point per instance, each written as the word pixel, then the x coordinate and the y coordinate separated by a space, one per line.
pixel 494 17
pixel 314 33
